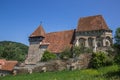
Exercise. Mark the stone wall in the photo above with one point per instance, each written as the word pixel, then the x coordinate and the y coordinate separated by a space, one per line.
pixel 33 54
pixel 80 62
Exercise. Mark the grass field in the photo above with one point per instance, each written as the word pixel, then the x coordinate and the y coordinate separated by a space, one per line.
pixel 105 73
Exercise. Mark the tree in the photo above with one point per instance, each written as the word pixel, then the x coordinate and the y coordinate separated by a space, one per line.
pixel 117 36
pixel 117 46
pixel 13 50
pixel 117 40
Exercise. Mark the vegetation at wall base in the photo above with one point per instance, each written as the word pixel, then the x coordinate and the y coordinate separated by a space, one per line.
pixel 48 56
pixel 103 73
pixel 13 50
pixel 66 53
pixel 77 50
pixel 101 59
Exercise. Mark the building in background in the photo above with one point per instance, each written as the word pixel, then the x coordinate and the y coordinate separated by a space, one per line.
pixel 7 67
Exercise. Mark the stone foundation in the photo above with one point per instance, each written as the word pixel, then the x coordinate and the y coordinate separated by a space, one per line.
pixel 80 62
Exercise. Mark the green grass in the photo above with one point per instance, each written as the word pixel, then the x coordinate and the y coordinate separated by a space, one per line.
pixel 105 73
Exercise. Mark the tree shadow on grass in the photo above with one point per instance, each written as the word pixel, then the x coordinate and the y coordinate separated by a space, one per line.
pixel 112 75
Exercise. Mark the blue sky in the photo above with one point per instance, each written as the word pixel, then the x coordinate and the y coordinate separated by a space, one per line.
pixel 19 18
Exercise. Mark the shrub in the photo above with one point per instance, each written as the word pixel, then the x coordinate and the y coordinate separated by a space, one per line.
pixel 66 53
pixel 88 50
pixel 80 50
pixel 48 56
pixel 76 51
pixel 98 60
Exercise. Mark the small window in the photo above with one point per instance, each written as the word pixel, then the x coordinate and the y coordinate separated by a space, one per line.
pixel 43 47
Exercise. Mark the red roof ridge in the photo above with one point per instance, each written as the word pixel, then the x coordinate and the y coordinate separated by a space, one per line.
pixel 60 31
pixel 90 16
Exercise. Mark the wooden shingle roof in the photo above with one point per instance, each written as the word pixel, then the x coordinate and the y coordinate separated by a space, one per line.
pixel 38 32
pixel 92 23
pixel 58 41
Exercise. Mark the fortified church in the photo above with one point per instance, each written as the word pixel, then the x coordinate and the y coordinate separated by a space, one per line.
pixel 91 32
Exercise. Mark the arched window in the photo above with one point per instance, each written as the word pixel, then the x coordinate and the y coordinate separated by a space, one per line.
pixel 108 41
pixel 82 42
pixel 99 41
pixel 90 42
pixel 98 44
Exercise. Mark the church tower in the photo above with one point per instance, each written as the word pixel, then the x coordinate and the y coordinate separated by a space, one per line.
pixel 34 52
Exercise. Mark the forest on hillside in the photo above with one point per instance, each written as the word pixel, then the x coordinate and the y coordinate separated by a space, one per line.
pixel 13 50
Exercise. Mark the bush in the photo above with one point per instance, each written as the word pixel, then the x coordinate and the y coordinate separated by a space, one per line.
pixel 66 53
pixel 77 50
pixel 48 56
pixel 98 60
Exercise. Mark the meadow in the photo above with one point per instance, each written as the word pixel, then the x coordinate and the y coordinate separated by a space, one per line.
pixel 104 73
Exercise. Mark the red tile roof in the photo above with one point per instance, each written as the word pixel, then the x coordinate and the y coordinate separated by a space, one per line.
pixel 58 41
pixel 8 65
pixel 2 61
pixel 92 23
pixel 38 32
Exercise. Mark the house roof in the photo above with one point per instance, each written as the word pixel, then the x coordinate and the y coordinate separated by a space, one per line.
pixel 2 61
pixel 58 41
pixel 92 23
pixel 7 65
pixel 38 32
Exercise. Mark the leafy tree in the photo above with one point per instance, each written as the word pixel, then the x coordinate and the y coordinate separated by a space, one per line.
pixel 13 51
pixel 117 36
pixel 48 56
pixel 117 46
pixel 117 40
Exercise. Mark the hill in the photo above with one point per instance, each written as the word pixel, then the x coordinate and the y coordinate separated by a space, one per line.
pixel 13 50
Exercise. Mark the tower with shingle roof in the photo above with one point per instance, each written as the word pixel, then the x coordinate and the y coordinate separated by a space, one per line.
pixel 34 52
